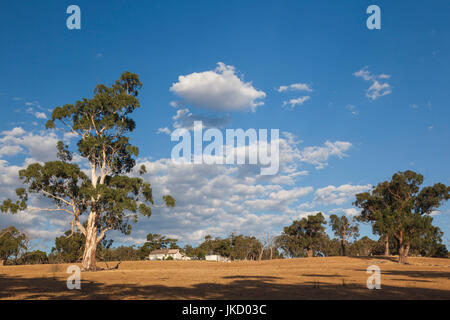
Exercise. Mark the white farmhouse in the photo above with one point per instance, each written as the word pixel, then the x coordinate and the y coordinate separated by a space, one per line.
pixel 166 253
pixel 216 257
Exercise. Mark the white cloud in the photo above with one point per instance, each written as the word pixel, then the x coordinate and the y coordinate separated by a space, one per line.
pixel 332 195
pixel 349 212
pixel 377 89
pixel 295 87
pixel 211 199
pixel 319 156
pixel 164 130
pixel 37 114
pixel 41 147
pixel 219 90
pixel 40 115
pixel 298 101
pixel 10 150
pixel 18 131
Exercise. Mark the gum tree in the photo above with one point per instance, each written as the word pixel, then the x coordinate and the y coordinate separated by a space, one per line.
pixel 305 235
pixel 108 194
pixel 344 229
pixel 12 244
pixel 401 208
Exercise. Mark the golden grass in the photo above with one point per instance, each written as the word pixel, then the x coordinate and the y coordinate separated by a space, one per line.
pixel 308 278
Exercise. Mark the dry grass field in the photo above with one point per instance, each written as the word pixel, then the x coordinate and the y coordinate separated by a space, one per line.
pixel 309 278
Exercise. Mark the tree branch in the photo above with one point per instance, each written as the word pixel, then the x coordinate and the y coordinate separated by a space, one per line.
pixel 57 198
pixel 102 234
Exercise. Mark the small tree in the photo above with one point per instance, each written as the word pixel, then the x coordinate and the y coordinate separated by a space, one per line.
pixel 34 257
pixel 12 244
pixel 110 196
pixel 305 235
pixel 68 248
pixel 363 247
pixel 400 208
pixel 344 230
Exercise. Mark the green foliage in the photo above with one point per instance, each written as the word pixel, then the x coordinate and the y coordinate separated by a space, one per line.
pixel 122 253
pixel 365 247
pixel 400 209
pixel 235 247
pixel 34 257
pixel 68 248
pixel 111 195
pixel 332 247
pixel 344 229
pixel 14 207
pixel 304 237
pixel 244 247
pixel 12 244
pixel 156 242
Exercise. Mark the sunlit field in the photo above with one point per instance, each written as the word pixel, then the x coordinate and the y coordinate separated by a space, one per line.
pixel 307 278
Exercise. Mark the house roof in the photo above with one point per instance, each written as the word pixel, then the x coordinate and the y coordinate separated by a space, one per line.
pixel 165 251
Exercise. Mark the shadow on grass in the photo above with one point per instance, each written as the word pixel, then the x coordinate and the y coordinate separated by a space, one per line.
pixel 415 274
pixel 324 275
pixel 252 277
pixel 388 258
pixel 251 289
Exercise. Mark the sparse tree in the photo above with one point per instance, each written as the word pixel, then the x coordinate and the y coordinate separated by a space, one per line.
pixel 344 229
pixel 110 196
pixel 13 243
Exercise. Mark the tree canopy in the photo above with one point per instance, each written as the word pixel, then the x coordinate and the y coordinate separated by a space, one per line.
pixel 344 229
pixel 110 195
pixel 400 208
pixel 12 244
pixel 304 236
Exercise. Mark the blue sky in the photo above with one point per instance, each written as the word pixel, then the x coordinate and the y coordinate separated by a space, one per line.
pixel 265 44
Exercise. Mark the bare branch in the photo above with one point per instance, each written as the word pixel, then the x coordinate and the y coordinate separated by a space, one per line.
pixel 57 198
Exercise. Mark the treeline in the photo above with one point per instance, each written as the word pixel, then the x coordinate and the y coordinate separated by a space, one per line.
pixel 307 238
pixel 399 211
pixel 303 238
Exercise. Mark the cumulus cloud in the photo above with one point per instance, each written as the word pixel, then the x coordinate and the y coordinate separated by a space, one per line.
pixel 318 156
pixel 218 90
pixel 211 199
pixel 10 150
pixel 218 200
pixel 18 131
pixel 332 195
pixel 378 88
pixel 42 146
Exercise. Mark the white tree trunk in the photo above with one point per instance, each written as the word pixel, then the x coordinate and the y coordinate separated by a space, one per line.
pixel 90 249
